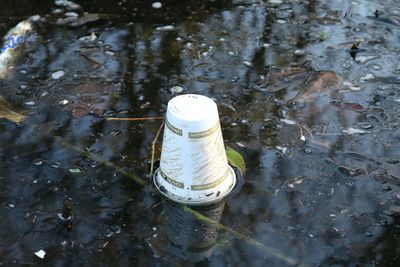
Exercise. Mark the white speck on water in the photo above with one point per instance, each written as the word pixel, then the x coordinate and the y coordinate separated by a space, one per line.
pixel 282 148
pixel 376 67
pixel 353 131
pixel 44 94
pixel 240 144
pixel 290 122
pixel 29 103
pixel 156 5
pixel 11 206
pixel 352 86
pixel 362 59
pixel 276 2
pixel 266 45
pixel 299 52
pixel 57 75
pixel 110 53
pixel 368 76
pixel 90 38
pixel 302 138
pixel 40 253
pixel 166 28
pixel 154 228
pixel 176 89
pixel 57 11
pixel 72 14
pixel 179 39
pixel 63 102
pixel 247 63
pixel 68 4
pixel 35 18
pixel 280 21
pixel 397 99
pixel 222 39
pixel 231 53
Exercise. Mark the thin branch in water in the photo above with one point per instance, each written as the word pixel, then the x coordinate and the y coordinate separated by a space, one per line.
pixel 135 119
pixel 153 148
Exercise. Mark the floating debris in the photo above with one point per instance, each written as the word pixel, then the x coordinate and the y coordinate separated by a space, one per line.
pixel 67 4
pixel 275 2
pixel 351 86
pixel 176 89
pixel 363 59
pixel 57 74
pixel 156 5
pixel 6 112
pixel 166 28
pixel 63 102
pixel 247 63
pixel 354 50
pixel 290 122
pixel 283 149
pixel 90 38
pixel 322 82
pixel 40 253
pixel 367 77
pixel 299 52
pixel 235 159
pixel 75 170
pixel 72 14
pixel 29 103
pixel 353 131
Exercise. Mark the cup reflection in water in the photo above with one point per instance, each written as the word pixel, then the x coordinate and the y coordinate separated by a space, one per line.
pixel 194 171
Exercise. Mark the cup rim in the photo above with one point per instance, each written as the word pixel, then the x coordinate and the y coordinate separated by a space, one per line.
pixel 180 200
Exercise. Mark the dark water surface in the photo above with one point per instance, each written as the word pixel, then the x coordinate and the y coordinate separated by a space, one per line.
pixel 308 92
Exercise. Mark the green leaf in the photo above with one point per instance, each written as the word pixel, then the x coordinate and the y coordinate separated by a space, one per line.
pixel 75 170
pixel 6 112
pixel 235 159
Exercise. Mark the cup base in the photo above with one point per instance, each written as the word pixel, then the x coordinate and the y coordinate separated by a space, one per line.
pixel 206 198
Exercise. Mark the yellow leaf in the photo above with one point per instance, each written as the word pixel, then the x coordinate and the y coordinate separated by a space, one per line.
pixel 7 113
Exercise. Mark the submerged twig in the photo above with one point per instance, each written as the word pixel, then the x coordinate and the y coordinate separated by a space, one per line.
pixel 251 241
pixel 241 236
pixel 153 148
pixel 135 119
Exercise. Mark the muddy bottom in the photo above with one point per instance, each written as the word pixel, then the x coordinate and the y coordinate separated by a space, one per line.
pixel 307 91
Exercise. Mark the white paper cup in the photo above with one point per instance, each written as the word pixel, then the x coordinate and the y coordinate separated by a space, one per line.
pixel 193 169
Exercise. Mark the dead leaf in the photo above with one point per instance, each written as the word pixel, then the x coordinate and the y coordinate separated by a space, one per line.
pixel 323 82
pixel 6 112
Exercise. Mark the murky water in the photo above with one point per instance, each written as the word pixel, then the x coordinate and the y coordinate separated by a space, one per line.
pixel 307 91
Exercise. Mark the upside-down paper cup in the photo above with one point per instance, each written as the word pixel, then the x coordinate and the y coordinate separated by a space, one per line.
pixel 193 169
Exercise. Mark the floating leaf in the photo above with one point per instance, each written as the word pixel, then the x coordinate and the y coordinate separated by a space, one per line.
pixel 7 113
pixel 235 159
pixel 75 170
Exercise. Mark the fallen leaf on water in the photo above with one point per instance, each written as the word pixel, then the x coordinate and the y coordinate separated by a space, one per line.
pixel 321 83
pixel 235 159
pixel 7 113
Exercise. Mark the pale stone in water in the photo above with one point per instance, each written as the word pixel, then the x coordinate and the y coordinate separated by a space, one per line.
pixel 57 75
